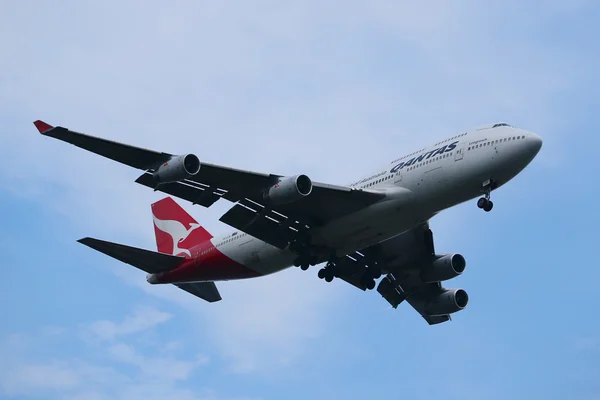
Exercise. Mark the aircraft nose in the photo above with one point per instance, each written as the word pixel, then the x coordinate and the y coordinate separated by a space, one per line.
pixel 534 143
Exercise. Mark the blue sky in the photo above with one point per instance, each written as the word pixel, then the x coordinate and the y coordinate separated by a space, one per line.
pixel 302 87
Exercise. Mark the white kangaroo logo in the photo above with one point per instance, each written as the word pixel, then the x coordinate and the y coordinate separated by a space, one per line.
pixel 177 231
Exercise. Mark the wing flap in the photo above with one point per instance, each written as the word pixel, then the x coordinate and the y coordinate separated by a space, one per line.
pixel 391 291
pixel 328 202
pixel 418 299
pixel 402 255
pixel 264 225
pixel 188 190
pixel 436 319
pixel 146 260
pixel 205 290
pixel 351 271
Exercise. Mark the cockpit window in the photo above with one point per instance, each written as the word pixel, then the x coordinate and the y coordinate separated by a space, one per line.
pixel 501 124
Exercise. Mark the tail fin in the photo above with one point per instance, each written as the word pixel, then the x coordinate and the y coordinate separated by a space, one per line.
pixel 176 231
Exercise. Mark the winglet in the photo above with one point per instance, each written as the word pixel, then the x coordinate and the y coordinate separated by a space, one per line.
pixel 42 126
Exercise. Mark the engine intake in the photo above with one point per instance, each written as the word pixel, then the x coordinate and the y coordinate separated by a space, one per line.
pixel 289 190
pixel 446 267
pixel 177 168
pixel 447 302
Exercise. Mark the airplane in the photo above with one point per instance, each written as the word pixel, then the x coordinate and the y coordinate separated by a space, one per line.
pixel 375 227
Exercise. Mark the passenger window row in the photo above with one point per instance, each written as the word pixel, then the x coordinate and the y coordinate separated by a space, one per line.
pixel 231 239
pixel 426 162
pixel 434 159
pixel 377 181
pixel 492 142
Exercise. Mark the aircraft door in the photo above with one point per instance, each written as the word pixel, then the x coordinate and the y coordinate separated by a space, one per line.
pixel 398 177
pixel 460 152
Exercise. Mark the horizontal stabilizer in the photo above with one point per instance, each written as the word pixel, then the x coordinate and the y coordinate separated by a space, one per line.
pixel 146 260
pixel 205 290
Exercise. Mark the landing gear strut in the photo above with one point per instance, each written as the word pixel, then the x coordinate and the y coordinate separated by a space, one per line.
pixel 484 202
pixel 328 272
pixel 305 260
pixel 371 273
pixel 367 280
pixel 305 257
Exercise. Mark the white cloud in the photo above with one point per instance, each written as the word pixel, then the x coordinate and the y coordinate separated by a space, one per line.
pixel 53 330
pixel 164 368
pixel 112 369
pixel 263 325
pixel 38 377
pixel 20 375
pixel 142 319
pixel 76 380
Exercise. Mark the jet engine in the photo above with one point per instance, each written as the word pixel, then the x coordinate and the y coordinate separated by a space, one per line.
pixel 289 189
pixel 447 302
pixel 177 168
pixel 446 267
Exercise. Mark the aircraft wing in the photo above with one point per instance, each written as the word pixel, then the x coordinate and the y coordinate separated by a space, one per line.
pixel 404 255
pixel 276 225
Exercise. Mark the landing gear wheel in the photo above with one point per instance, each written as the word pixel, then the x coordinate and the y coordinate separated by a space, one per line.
pixel 322 273
pixel 328 272
pixel 371 284
pixel 488 206
pixel 482 202
pixel 304 266
pixel 367 281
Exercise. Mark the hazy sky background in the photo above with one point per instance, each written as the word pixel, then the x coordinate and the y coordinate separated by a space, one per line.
pixel 323 88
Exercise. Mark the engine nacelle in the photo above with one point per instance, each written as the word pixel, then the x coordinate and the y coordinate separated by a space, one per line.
pixel 447 302
pixel 447 267
pixel 177 168
pixel 289 189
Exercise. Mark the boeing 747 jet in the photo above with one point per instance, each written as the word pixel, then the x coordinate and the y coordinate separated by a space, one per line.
pixel 375 228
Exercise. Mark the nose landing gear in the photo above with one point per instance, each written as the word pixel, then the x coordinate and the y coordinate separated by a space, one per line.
pixel 484 202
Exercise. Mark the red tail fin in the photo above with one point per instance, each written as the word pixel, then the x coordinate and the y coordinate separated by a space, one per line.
pixel 176 231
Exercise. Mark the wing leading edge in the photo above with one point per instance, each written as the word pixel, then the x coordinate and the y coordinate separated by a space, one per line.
pixel 136 157
pixel 274 224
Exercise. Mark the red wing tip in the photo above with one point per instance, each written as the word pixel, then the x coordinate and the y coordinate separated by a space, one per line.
pixel 42 126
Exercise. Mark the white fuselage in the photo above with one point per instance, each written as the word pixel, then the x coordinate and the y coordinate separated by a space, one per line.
pixel 417 186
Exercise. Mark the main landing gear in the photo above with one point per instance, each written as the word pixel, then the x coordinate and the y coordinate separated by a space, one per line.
pixel 328 272
pixel 367 279
pixel 484 202
pixel 305 260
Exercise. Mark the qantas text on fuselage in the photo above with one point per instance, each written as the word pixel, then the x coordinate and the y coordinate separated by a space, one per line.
pixel 374 229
